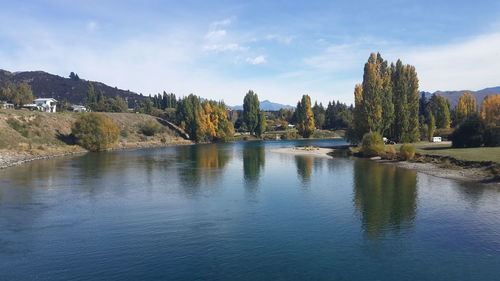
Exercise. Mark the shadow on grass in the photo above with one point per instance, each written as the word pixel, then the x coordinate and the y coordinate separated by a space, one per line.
pixel 67 139
pixel 438 148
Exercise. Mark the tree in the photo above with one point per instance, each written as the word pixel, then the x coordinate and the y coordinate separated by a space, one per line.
pixel 431 127
pixel 440 108
pixel 251 111
pixel 470 133
pixel 305 117
pixel 261 127
pixel 406 103
pixel 490 110
pixel 319 115
pixel 95 131
pixel 16 93
pixel 466 107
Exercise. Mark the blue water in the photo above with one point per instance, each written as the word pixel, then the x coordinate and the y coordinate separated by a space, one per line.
pixel 240 211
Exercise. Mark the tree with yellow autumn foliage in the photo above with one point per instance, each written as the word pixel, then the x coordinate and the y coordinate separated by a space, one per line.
pixel 305 117
pixel 466 108
pixel 490 110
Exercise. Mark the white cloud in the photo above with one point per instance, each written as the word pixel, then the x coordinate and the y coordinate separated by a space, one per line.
pixel 257 60
pixel 282 39
pixel 216 34
pixel 224 47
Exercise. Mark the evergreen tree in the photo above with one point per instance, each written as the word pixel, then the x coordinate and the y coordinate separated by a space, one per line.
pixel 319 115
pixel 431 126
pixel 305 117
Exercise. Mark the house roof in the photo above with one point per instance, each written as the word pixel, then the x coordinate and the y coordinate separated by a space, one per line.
pixel 46 99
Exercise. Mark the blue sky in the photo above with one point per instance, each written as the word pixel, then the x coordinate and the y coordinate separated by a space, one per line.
pixel 280 49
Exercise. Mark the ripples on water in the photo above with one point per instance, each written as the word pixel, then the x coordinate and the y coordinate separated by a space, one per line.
pixel 238 211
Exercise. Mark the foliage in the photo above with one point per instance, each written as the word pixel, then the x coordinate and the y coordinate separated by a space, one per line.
pixel 16 93
pixel 386 93
pixel 431 127
pixel 338 115
pixel 261 124
pixel 372 144
pixel 390 152
pixel 440 108
pixel 305 117
pixel 469 134
pixel 492 136
pixel 95 131
pixel 407 151
pixel 319 115
pixel 150 128
pixel 406 103
pixel 251 111
pixel 97 101
pixel 465 108
pixel 205 121
pixel 490 110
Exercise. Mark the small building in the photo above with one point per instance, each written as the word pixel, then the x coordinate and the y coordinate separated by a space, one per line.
pixel 436 139
pixel 78 108
pixel 6 105
pixel 46 104
pixel 290 126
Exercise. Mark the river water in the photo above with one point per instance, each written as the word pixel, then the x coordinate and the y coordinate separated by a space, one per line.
pixel 239 211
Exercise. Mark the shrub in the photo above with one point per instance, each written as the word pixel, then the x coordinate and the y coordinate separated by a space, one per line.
pixel 390 152
pixel 150 128
pixel 95 131
pixel 407 151
pixel 492 136
pixel 444 133
pixel 469 134
pixel 124 133
pixel 372 144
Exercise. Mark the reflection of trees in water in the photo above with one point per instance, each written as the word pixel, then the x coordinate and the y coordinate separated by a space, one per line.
pixel 385 197
pixel 304 167
pixel 254 158
pixel 201 162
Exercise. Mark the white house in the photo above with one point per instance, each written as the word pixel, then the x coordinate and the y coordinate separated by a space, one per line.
pixel 436 139
pixel 46 104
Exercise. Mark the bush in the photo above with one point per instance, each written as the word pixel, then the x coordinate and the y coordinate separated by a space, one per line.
pixel 124 133
pixel 469 134
pixel 95 131
pixel 407 151
pixel 150 128
pixel 372 144
pixel 390 152
pixel 492 136
pixel 444 133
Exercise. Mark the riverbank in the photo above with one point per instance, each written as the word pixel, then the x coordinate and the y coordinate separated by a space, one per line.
pixel 30 135
pixel 434 165
pixel 306 150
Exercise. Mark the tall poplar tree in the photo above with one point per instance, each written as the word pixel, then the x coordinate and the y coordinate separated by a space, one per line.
pixel 440 108
pixel 251 111
pixel 305 117
pixel 466 107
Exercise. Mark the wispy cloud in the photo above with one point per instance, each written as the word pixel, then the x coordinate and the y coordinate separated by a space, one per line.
pixel 92 25
pixel 224 47
pixel 257 60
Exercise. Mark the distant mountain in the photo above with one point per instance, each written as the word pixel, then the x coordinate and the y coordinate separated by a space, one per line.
pixel 46 85
pixel 266 106
pixel 453 96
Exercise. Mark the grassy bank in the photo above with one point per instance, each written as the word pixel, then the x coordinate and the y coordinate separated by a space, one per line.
pixel 32 134
pixel 475 154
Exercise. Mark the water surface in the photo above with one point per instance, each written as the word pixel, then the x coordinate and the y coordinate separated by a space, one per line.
pixel 238 211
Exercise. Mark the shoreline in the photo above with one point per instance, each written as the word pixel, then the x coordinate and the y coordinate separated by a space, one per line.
pixel 459 173
pixel 16 158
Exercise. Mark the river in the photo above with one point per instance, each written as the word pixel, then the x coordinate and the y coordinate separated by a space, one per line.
pixel 238 211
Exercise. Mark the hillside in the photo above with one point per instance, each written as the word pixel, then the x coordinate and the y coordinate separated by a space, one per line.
pixel 31 134
pixel 266 106
pixel 74 91
pixel 453 96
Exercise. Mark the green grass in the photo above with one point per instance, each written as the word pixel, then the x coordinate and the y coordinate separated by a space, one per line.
pixel 465 154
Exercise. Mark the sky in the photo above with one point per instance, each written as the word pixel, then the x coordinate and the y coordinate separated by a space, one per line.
pixel 279 49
